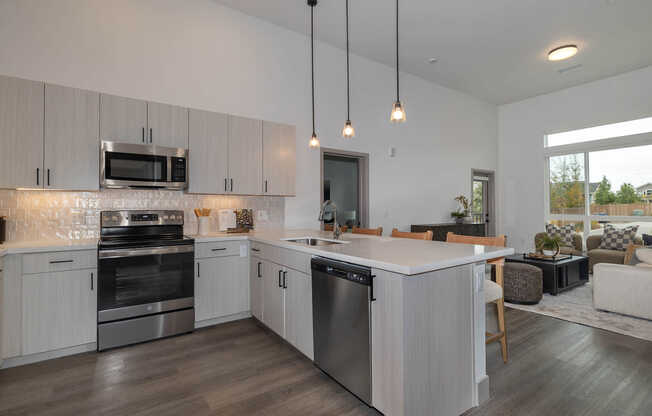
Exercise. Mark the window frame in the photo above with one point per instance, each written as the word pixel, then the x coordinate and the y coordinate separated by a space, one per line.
pixel 621 142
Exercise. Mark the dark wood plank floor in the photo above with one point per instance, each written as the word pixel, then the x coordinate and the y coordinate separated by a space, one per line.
pixel 240 369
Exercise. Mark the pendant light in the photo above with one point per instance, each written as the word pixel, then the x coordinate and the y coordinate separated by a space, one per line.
pixel 314 141
pixel 398 111
pixel 348 132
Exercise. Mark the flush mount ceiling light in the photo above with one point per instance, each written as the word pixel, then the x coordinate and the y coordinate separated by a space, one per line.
pixel 314 140
pixel 562 52
pixel 348 132
pixel 398 111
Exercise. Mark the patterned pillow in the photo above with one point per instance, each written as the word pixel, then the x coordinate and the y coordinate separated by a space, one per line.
pixel 647 239
pixel 565 233
pixel 617 239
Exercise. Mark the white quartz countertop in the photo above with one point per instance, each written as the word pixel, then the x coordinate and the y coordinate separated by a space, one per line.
pixel 40 246
pixel 397 255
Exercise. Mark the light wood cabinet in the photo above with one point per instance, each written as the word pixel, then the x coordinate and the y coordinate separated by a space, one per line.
pixel 168 125
pixel 256 288
pixel 208 169
pixel 273 297
pixel 71 138
pixel 245 156
pixel 123 119
pixel 298 311
pixel 279 159
pixel 59 310
pixel 221 287
pixel 21 133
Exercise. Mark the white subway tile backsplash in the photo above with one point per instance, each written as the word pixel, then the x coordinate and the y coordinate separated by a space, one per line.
pixel 36 215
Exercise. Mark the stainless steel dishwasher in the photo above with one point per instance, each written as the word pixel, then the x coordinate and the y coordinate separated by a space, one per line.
pixel 341 301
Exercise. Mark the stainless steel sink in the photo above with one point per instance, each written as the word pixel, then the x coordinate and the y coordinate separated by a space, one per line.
pixel 314 241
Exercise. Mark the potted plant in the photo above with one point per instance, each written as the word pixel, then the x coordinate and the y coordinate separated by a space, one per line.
pixel 549 245
pixel 462 209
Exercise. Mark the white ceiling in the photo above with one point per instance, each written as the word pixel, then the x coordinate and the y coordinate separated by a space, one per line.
pixel 492 49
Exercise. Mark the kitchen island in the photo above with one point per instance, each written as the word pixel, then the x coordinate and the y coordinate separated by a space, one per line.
pixel 427 319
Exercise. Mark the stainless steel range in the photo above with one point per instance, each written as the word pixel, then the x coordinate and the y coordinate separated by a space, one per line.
pixel 145 277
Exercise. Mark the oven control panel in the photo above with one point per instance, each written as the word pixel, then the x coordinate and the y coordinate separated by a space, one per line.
pixel 136 218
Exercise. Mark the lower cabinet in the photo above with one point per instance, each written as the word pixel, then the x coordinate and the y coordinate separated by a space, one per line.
pixel 221 287
pixel 59 310
pixel 256 288
pixel 286 303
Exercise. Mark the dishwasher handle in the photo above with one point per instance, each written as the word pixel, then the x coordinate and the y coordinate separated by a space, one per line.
pixel 371 288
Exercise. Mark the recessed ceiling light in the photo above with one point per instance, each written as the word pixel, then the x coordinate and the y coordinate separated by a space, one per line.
pixel 562 52
pixel 432 60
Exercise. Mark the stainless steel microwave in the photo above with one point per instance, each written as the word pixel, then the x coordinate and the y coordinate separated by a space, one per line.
pixel 126 165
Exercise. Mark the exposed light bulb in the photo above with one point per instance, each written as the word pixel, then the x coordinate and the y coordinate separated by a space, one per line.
pixel 314 141
pixel 398 113
pixel 348 132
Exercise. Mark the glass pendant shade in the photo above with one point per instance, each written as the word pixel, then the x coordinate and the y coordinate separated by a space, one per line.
pixel 348 132
pixel 314 141
pixel 398 113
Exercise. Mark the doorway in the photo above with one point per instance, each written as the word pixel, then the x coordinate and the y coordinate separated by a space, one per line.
pixel 483 200
pixel 345 181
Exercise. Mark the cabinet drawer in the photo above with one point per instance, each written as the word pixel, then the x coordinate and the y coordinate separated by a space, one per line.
pixel 219 249
pixel 265 251
pixel 295 260
pixel 59 261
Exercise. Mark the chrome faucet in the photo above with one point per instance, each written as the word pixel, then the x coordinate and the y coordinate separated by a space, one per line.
pixel 336 228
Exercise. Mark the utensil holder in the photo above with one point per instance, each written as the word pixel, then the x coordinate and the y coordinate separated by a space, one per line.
pixel 203 225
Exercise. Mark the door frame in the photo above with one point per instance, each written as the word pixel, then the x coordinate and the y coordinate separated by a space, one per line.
pixel 490 229
pixel 363 179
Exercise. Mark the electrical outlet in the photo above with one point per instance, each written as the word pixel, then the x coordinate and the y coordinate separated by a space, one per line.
pixel 262 215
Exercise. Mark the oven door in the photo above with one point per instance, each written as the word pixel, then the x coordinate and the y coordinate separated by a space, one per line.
pixel 125 165
pixel 142 281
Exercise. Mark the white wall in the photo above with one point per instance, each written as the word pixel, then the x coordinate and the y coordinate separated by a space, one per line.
pixel 522 126
pixel 200 54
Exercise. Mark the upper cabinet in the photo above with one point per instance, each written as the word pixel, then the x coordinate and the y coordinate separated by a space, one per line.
pixel 245 156
pixel 72 125
pixel 168 125
pixel 208 170
pixel 123 119
pixel 21 133
pixel 128 120
pixel 279 159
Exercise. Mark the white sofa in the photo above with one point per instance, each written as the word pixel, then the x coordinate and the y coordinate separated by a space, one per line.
pixel 623 289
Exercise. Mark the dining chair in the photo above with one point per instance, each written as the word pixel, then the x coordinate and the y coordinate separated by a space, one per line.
pixel 415 236
pixel 493 291
pixel 368 231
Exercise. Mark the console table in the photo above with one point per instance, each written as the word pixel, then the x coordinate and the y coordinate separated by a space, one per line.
pixel 439 231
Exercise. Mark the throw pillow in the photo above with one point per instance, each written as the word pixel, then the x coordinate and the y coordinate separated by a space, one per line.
pixel 630 255
pixel 565 233
pixel 647 239
pixel 617 239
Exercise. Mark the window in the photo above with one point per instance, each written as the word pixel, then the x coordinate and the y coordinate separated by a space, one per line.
pixel 604 178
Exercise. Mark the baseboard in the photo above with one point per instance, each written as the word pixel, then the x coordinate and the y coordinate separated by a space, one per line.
pixel 47 355
pixel 222 319
pixel 483 390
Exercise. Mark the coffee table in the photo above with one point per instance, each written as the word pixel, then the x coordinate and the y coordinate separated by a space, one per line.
pixel 559 275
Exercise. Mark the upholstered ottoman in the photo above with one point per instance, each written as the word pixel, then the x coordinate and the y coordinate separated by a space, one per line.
pixel 523 283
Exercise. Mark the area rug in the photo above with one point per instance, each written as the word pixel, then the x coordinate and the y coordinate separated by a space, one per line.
pixel 576 305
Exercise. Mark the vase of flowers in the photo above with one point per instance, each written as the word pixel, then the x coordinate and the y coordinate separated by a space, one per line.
pixel 462 209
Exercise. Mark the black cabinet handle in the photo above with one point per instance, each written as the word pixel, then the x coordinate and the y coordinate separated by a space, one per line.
pixel 255 249
pixel 259 273
pixel 38 175
pixel 226 188
pixel 231 184
pixel 219 249
pixel 92 281
pixel 143 134
pixel 265 185
pixel 371 289
pixel 285 282
pixel 60 261
pixel 48 177
pixel 279 278
pixel 198 264
pixel 151 135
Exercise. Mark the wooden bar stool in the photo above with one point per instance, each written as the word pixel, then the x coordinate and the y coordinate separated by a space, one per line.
pixel 493 291
pixel 368 231
pixel 415 236
pixel 329 227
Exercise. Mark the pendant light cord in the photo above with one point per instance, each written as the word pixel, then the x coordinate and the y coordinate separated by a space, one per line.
pixel 348 84
pixel 312 63
pixel 397 72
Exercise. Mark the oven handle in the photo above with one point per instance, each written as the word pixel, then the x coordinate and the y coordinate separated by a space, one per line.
pixel 147 251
